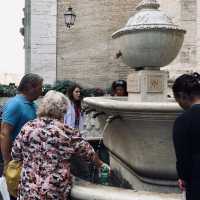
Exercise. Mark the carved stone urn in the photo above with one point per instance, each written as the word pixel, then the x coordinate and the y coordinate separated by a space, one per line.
pixel 149 39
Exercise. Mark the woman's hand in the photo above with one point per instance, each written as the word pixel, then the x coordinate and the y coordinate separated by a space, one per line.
pixel 106 166
pixel 181 184
pixel 99 163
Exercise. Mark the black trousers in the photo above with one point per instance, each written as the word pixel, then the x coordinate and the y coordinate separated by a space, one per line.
pixel 193 190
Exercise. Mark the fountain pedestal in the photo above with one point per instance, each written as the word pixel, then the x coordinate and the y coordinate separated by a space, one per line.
pixel 147 86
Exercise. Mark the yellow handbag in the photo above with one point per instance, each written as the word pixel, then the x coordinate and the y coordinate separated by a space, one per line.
pixel 12 175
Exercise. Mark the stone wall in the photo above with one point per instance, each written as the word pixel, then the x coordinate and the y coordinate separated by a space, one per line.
pixel 87 50
pixel 186 14
pixel 86 53
pixel 198 33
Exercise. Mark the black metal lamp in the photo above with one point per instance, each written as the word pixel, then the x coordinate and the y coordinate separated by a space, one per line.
pixel 70 17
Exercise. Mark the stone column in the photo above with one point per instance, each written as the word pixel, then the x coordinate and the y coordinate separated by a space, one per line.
pixel 43 39
pixel 198 35
pixel 27 38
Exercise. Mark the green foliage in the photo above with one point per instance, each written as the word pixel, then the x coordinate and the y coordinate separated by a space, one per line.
pixel 93 92
pixel 60 86
pixel 46 88
pixel 64 85
pixel 8 90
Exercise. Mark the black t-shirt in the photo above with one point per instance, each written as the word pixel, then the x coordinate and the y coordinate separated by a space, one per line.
pixel 186 137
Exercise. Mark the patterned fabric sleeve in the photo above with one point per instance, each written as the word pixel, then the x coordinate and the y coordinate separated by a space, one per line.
pixel 82 147
pixel 19 142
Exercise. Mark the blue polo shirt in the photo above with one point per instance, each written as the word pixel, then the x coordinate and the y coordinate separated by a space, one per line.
pixel 17 111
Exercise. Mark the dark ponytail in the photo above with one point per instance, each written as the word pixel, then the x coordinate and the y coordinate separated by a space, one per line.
pixel 187 84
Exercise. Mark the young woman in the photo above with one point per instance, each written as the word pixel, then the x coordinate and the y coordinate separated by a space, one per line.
pixel 74 115
pixel 186 134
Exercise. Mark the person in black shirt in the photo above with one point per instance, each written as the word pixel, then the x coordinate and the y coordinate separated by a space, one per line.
pixel 186 134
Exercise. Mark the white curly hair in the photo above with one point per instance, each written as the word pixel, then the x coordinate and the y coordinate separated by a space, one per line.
pixel 54 105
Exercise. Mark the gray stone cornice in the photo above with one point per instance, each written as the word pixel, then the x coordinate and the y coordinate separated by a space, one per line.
pixel 164 111
pixel 144 27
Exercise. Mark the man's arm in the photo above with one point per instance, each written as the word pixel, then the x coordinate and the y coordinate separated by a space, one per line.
pixel 6 142
pixel 10 118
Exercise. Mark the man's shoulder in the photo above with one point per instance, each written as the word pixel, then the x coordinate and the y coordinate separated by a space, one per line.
pixel 182 117
pixel 189 115
pixel 11 111
pixel 12 102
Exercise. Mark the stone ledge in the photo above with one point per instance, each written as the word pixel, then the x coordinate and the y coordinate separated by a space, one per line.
pixel 83 190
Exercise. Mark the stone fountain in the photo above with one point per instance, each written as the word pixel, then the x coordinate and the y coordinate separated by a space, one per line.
pixel 138 130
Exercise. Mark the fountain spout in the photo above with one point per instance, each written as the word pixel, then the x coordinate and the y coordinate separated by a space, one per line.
pixel 112 117
pixel 118 54
pixel 98 114
pixel 87 111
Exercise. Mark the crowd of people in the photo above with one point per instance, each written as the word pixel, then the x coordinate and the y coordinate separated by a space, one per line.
pixel 45 139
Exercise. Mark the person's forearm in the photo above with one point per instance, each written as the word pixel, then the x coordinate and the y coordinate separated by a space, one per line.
pixel 6 148
pixel 6 142
pixel 97 161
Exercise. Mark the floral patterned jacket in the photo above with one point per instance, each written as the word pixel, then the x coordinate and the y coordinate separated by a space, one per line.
pixel 45 147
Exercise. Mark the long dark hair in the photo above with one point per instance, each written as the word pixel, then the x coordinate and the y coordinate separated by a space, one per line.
pixel 70 94
pixel 188 85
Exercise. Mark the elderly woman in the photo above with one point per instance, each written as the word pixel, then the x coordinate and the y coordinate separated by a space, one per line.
pixel 45 146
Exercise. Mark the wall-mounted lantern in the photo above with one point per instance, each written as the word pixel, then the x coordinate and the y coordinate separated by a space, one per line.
pixel 70 17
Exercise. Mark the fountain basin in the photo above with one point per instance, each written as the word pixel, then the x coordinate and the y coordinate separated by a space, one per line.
pixel 140 141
